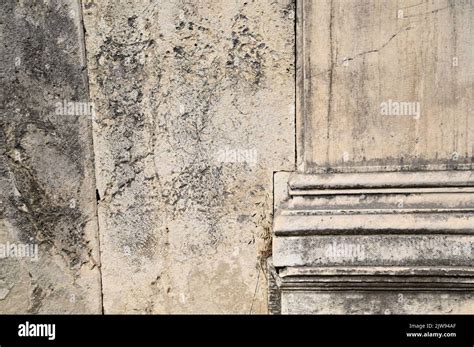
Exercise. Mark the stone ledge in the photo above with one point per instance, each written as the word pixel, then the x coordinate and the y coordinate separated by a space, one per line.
pixel 300 183
pixel 306 223
pixel 373 250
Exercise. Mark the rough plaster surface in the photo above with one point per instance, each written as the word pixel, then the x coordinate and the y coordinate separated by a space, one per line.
pixel 195 105
pixel 46 173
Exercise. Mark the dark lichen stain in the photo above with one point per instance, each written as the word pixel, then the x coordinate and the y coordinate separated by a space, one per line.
pixel 246 57
pixel 132 21
pixel 37 297
pixel 288 12
pixel 46 70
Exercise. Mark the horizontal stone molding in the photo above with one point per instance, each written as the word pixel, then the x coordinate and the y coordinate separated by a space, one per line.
pixel 362 232
pixel 378 203
pixel 376 278
pixel 306 184
pixel 373 250
pixel 371 222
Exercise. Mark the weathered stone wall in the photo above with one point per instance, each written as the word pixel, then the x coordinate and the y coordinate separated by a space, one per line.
pixel 47 189
pixel 161 199
pixel 195 103
pixel 194 111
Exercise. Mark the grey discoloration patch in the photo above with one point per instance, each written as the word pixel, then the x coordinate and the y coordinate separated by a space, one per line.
pixel 36 297
pixel 27 125
pixel 45 159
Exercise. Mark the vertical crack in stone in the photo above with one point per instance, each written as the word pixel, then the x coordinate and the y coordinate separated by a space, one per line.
pixel 83 54
pixel 331 71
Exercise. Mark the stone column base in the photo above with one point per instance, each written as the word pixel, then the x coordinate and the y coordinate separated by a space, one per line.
pixel 374 243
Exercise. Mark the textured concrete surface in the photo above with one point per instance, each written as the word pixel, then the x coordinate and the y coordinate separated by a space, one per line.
pixel 47 194
pixel 195 108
